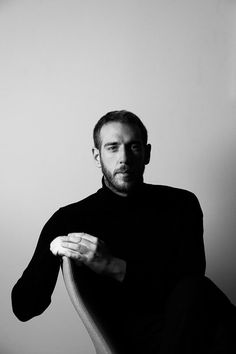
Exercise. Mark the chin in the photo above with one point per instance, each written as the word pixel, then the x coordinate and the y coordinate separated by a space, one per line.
pixel 125 186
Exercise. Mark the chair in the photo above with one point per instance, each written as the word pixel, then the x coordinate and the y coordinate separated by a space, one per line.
pixel 93 324
pixel 103 343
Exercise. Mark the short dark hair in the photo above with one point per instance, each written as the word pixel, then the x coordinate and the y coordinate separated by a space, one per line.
pixel 121 116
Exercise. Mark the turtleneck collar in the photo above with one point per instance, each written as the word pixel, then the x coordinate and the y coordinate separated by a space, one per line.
pixel 132 196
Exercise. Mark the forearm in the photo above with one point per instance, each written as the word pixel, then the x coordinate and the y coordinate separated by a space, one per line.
pixel 111 267
pixel 31 295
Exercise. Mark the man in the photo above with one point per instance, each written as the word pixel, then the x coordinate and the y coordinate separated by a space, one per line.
pixel 140 252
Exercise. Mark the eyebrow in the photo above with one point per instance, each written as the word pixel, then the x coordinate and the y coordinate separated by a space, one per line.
pixel 111 144
pixel 117 143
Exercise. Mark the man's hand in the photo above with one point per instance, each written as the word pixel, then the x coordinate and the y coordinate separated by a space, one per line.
pixel 91 251
pixel 78 245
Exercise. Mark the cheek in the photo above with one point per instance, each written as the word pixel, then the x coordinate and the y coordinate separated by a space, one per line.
pixel 109 164
pixel 109 161
pixel 139 161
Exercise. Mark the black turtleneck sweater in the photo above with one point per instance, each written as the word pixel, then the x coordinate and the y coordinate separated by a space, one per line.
pixel 157 230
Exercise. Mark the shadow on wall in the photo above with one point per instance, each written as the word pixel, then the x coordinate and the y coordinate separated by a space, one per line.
pixel 221 220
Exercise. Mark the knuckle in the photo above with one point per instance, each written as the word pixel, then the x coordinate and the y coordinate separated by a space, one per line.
pixel 93 248
pixel 82 249
pixel 69 254
pixel 69 237
pixel 78 257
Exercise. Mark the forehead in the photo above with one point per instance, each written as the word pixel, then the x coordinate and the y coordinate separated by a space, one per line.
pixel 119 132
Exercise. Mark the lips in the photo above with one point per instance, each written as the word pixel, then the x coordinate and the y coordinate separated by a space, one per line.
pixel 123 172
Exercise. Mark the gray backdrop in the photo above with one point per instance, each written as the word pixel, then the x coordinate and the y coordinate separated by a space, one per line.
pixel 63 64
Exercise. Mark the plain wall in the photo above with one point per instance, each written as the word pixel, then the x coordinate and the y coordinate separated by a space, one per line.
pixel 65 63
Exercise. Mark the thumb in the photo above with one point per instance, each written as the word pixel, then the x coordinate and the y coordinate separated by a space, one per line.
pixel 56 246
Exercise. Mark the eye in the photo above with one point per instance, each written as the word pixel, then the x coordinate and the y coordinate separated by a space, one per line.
pixel 135 147
pixel 112 148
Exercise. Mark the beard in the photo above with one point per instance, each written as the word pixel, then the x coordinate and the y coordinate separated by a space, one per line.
pixel 122 180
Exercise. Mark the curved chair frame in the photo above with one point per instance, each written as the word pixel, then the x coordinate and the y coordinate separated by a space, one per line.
pixel 99 338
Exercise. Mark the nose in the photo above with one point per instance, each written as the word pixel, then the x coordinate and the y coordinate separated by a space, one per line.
pixel 124 155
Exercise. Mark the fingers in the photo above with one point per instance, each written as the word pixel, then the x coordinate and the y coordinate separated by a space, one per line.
pixel 57 248
pixel 81 242
pixel 72 254
pixel 77 245
pixel 78 236
pixel 81 247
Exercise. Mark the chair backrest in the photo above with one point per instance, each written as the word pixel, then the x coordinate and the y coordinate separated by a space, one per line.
pixel 97 334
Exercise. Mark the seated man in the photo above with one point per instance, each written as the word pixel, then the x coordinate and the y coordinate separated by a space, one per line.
pixel 140 252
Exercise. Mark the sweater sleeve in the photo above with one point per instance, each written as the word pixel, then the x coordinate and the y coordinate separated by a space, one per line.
pixel 31 295
pixel 190 256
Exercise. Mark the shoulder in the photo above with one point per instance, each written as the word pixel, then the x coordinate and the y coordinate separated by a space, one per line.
pixel 172 195
pixel 168 191
pixel 70 212
pixel 84 204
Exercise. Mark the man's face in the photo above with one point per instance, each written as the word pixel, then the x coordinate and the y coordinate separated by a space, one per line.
pixel 122 156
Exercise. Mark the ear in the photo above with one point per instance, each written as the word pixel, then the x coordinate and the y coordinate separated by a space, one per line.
pixel 96 156
pixel 147 154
